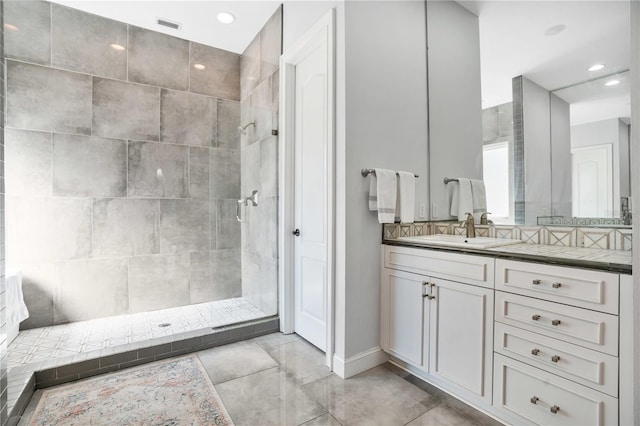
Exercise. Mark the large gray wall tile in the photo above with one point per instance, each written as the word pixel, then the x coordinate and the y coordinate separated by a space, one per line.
pixel 158 170
pixel 228 123
pixel 125 110
pixel 227 226
pixel 27 162
pixel 39 286
pixel 261 111
pixel 91 288
pixel 221 76
pixel 225 173
pixel 48 228
pixel 31 41
pixel 187 118
pixel 251 168
pixel 184 226
pixel 200 288
pixel 260 281
pixel 269 167
pixel 85 166
pixel 82 42
pixel 250 67
pixel 225 274
pixel 40 98
pixel 158 59
pixel 271 45
pixel 157 282
pixel 199 166
pixel 126 227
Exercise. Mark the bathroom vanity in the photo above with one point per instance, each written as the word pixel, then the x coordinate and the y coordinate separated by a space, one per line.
pixel 501 328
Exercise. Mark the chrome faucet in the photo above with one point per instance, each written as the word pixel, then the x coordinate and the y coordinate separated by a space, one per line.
pixel 470 225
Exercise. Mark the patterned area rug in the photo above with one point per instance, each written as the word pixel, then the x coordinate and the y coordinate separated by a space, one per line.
pixel 173 392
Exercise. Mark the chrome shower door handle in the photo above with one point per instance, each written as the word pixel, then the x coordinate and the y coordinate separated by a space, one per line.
pixel 238 206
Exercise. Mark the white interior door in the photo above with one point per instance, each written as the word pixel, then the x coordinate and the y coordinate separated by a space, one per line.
pixel 311 142
pixel 592 181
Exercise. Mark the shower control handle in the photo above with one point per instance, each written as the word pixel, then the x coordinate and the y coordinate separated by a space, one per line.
pixel 296 232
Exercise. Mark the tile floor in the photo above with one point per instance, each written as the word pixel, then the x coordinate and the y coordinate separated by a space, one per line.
pixel 281 380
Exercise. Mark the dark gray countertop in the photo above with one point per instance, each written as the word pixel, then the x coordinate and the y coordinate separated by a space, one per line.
pixel 619 261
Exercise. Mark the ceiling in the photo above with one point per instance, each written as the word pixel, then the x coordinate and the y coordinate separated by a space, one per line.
pixel 513 42
pixel 198 18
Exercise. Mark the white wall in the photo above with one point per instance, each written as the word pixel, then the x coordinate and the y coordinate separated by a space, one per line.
pixel 386 126
pixel 560 157
pixel 537 151
pixel 611 131
pixel 455 109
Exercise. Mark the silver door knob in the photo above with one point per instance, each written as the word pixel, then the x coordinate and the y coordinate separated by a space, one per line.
pixel 296 232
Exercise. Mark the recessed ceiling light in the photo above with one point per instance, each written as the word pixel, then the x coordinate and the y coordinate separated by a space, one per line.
pixel 117 47
pixel 555 30
pixel 199 66
pixel 226 17
pixel 10 27
pixel 612 83
pixel 596 67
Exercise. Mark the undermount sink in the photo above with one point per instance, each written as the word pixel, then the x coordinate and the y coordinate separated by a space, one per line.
pixel 460 241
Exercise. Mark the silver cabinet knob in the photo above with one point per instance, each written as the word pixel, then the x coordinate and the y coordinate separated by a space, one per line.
pixel 535 351
pixel 555 358
pixel 555 322
pixel 535 317
pixel 536 282
pixel 296 232
pixel 556 285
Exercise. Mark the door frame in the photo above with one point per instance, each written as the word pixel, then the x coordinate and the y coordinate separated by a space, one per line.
pixel 286 192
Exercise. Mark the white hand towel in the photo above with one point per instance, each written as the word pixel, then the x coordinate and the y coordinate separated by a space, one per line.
pixel 462 200
pixel 479 194
pixel 382 194
pixel 407 196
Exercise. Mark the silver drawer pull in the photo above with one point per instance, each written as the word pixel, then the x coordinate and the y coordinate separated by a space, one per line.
pixel 555 358
pixel 535 351
pixel 425 282
pixel 536 282
pixel 556 285
pixel 555 322
pixel 536 401
pixel 536 317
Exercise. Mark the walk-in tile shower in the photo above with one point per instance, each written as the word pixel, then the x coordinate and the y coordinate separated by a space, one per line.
pixel 124 165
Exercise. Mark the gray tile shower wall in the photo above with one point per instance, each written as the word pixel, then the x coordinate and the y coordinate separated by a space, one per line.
pixel 3 298
pixel 124 166
pixel 259 163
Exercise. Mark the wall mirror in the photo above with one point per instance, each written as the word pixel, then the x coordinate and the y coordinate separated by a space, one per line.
pixel 555 112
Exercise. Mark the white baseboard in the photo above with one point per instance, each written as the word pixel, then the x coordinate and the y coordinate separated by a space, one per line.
pixel 359 363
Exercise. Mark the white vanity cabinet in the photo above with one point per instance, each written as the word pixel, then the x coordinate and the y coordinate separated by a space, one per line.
pixel 437 316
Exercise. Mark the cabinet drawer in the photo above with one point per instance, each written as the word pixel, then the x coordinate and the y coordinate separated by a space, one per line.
pixel 587 367
pixel 583 327
pixel 517 386
pixel 579 287
pixel 462 268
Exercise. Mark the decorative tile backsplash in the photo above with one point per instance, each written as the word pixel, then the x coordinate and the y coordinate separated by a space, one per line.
pixel 602 238
pixel 579 221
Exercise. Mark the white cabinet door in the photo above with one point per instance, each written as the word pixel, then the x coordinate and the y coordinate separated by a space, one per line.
pixel 402 315
pixel 461 336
